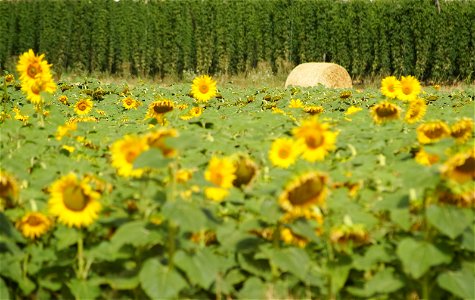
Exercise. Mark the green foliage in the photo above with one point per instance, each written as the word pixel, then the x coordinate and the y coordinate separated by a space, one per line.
pixel 159 38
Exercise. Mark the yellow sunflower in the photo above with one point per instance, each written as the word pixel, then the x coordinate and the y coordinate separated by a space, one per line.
pixel 345 94
pixel 8 190
pixel 157 139
pixel 193 113
pixel 410 88
pixel 295 103
pixel 63 99
pixel 417 110
pixel 203 88
pixel 304 192
pixel 73 201
pixel 19 116
pixel 216 193
pixel 291 238
pixel 385 111
pixel 349 235
pixel 460 167
pixel 130 103
pixel 352 110
pixel 33 225
pixel 462 130
pixel 432 132
pixel 464 196
pixel 30 66
pixel 159 108
pixel 426 159
pixel 124 152
pixel 221 172
pixel 33 88
pixel 83 106
pixel 316 138
pixel 9 79
pixel 313 109
pixel 390 86
pixel 284 152
pixel 246 171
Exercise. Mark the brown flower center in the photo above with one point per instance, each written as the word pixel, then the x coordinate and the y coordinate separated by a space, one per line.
pixel 314 141
pixel 34 221
pixel 435 132
pixel 306 192
pixel 204 88
pixel 284 153
pixel 386 111
pixel 407 90
pixel 468 167
pixel 33 69
pixel 74 198
pixel 161 109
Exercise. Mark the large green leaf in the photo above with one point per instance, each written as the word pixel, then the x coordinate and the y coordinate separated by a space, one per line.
pixel 383 282
pixel 459 283
pixel 135 233
pixel 4 293
pixel 253 288
pixel 66 237
pixel 160 282
pixel 201 268
pixel 293 260
pixel 187 215
pixel 419 256
pixel 450 220
pixel 152 158
pixel 82 289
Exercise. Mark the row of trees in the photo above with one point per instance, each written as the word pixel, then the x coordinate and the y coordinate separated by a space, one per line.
pixel 163 37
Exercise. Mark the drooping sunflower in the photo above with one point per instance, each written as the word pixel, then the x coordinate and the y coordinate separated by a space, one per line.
pixel 462 130
pixel 193 113
pixel 390 86
pixel 221 172
pixel 316 138
pixel 349 235
pixel 284 152
pixel 159 108
pixel 303 192
pixel 124 152
pixel 345 94
pixel 460 167
pixel 73 201
pixel 246 171
pixel 432 132
pixel 33 88
pixel 30 66
pixel 83 106
pixel 313 109
pixel 8 190
pixel 417 110
pixel 426 159
pixel 33 225
pixel 203 88
pixel 291 238
pixel 410 88
pixel 130 103
pixel 385 111
pixel 463 196
pixel 157 139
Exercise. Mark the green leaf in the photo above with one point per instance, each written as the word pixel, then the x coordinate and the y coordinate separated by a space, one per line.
pixel 449 220
pixel 253 288
pixel 338 271
pixel 201 268
pixel 4 292
pixel 459 283
pixel 293 260
pixel 160 282
pixel 135 233
pixel 401 217
pixel 384 282
pixel 66 237
pixel 468 239
pixel 374 254
pixel 419 256
pixel 82 289
pixel 187 215
pixel 152 158
pixel 123 283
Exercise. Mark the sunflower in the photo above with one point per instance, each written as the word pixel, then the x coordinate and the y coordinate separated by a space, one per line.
pixel 9 79
pixel 390 86
pixel 461 131
pixel 30 66
pixel 352 110
pixel 73 201
pixel 417 110
pixel 159 108
pixel 349 235
pixel 8 190
pixel 33 88
pixel 316 138
pixel 464 196
pixel 431 132
pixel 304 192
pixel 246 171
pixel 460 167
pixel 345 94
pixel 63 130
pixel 216 193
pixel 221 172
pixel 33 224
pixel 19 116
pixel 284 152
pixel 385 111
pixel 193 113
pixel 426 159
pixel 83 106
pixel 313 109
pixel 291 238
pixel 295 103
pixel 183 175
pixel 157 139
pixel 63 99
pixel 130 103
pixel 123 153
pixel 203 88
pixel 410 88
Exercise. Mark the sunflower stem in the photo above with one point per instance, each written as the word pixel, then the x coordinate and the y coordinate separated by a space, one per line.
pixel 81 274
pixel 172 229
pixel 39 111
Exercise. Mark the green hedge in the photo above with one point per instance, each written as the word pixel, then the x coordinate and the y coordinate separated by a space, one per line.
pixel 163 37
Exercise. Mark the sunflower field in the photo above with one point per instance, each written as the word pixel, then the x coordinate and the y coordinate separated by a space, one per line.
pixel 111 191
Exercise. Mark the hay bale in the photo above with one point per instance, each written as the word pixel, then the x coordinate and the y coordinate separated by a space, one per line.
pixel 311 74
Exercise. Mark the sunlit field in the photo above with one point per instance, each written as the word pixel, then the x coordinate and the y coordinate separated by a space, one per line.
pixel 208 190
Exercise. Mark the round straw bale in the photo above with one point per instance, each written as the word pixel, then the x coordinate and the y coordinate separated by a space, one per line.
pixel 311 74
